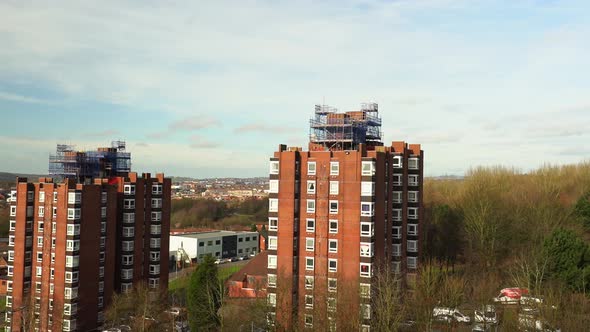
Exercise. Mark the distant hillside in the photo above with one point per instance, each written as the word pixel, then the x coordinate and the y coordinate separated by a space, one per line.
pixel 10 177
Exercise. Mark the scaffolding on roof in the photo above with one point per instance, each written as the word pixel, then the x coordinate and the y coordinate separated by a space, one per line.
pixel 345 131
pixel 67 162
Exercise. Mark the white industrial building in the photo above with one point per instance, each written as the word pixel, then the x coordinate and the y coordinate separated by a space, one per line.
pixel 219 244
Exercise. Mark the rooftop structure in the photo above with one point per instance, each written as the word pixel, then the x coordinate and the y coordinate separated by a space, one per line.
pixel 330 130
pixel 111 161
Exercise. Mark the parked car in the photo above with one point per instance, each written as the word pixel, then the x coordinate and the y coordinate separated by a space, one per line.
pixel 486 315
pixel 453 313
pixel 530 300
pixel 511 295
pixel 219 261
pixel 234 259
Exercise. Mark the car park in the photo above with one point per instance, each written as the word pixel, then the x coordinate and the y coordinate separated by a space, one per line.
pixel 511 295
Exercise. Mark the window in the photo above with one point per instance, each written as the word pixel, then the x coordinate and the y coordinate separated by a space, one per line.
pixel 309 301
pixel 103 197
pixel 127 273
pixel 217 242
pixel 333 226
pixel 72 245
pixel 74 198
pixel 11 255
pixel 13 210
pixel 309 243
pixel 39 256
pixel 397 250
pixel 333 187
pixel 412 246
pixel 72 261
pixel 101 256
pixel 366 229
pixel 368 168
pixel 398 161
pixel 332 265
pixel 154 243
pixel 310 225
pixel 397 179
pixel 366 249
pixel 366 311
pixel 29 211
pixel 365 290
pixel 40 226
pixel 412 213
pixel 129 218
pixel 73 214
pixel 11 240
pixel 126 287
pixel 413 196
pixel 367 188
pixel 127 259
pixel 310 206
pixel 272 280
pixel 127 245
pixel 154 269
pixel 412 180
pixel 412 229
pixel 12 225
pixel 334 168
pixel 41 211
pixel 129 204
pixel 272 243
pixel 103 212
pixel 309 282
pixel 156 203
pixel 273 205
pixel 39 241
pixel 333 207
pixel 273 224
pixel 413 163
pixel 412 262
pixel 272 299
pixel 273 186
pixel 274 167
pixel 309 263
pixel 396 267
pixel 41 196
pixel 103 227
pixel 155 229
pixel 156 216
pixel 70 293
pixel 154 256
pixel 332 284
pixel 311 187
pixel 156 189
pixel 397 232
pixel 52 242
pixel 129 231
pixel 54 212
pixel 308 321
pixel 73 229
pixel 272 261
pixel 333 246
pixel 396 214
pixel 367 209
pixel 365 269
pixel 154 282
pixel 396 196
pixel 331 304
pixel 129 189
pixel 311 167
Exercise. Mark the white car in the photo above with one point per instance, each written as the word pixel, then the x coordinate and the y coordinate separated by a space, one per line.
pixel 456 314
pixel 487 315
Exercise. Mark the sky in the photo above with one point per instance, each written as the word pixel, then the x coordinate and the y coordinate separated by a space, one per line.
pixel 211 88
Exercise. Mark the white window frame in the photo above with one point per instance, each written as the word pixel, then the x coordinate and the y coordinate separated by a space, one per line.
pixel 412 229
pixel 413 163
pixel 334 187
pixel 273 167
pixel 396 250
pixel 272 299
pixel 365 274
pixel 367 188
pixel 413 180
pixel 311 168
pixel 365 290
pixel 371 211
pixel 129 203
pixel 273 186
pixel 412 262
pixel 366 311
pixel 396 214
pixel 74 197
pixel 330 268
pixel 309 244
pixel 333 230
pixel 371 229
pixel 369 249
pixel 272 261
pixel 309 301
pixel 310 206
pixel 412 213
pixel 396 196
pixel 272 242
pixel 307 266
pixel 413 196
pixel 311 187
pixel 333 209
pixel 74 213
pixel 156 203
pixel 41 211
pixel 396 232
pixel 129 189
pixel 271 280
pixel 273 205
pixel 412 246
pixel 333 249
pixel 334 168
pixel 307 228
pixel 13 210
pixel 41 197
pixel 398 161
pixel 397 179
pixel 367 168
pixel 334 288
pixel 157 189
pixel 309 282
pixel 272 227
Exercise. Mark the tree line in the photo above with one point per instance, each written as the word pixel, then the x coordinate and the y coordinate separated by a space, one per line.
pixel 209 213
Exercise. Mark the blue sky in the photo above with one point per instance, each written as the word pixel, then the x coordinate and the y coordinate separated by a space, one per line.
pixel 207 89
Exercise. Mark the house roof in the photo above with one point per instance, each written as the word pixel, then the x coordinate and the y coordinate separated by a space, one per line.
pixel 257 266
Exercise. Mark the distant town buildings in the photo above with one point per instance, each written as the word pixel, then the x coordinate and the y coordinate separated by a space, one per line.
pixel 338 212
pixel 100 229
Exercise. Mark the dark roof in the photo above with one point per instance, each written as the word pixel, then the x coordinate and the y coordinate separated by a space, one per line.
pixel 257 266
